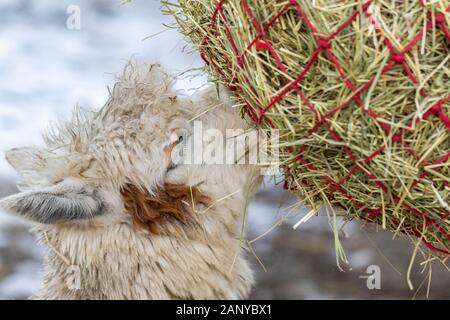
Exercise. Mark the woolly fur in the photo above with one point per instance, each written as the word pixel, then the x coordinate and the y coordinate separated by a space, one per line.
pixel 106 256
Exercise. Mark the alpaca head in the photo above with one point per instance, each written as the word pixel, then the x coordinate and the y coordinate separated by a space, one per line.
pixel 82 171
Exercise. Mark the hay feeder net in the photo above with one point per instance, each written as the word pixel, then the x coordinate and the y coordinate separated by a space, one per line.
pixel 360 91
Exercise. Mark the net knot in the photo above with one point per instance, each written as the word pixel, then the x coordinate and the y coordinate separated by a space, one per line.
pixel 398 58
pixel 437 107
pixel 439 18
pixel 324 43
pixel 397 137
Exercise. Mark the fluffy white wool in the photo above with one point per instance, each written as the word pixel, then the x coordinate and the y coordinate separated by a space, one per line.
pixel 92 157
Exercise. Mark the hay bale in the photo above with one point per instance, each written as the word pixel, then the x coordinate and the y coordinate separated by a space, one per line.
pixel 359 91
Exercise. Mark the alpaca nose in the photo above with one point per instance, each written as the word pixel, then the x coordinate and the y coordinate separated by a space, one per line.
pixel 169 156
pixel 168 151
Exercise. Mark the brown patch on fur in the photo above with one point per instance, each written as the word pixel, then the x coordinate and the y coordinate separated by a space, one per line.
pixel 174 203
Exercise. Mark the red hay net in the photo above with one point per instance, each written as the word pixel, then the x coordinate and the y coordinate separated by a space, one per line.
pixel 325 48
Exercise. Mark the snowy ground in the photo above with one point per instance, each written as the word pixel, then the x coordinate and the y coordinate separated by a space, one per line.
pixel 46 69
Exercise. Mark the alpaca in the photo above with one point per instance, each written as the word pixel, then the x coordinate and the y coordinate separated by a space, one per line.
pixel 120 218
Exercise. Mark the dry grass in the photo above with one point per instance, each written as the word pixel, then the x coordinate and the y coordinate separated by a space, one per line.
pixel 405 163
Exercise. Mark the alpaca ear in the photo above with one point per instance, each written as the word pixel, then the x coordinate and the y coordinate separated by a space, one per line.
pixel 67 201
pixel 26 159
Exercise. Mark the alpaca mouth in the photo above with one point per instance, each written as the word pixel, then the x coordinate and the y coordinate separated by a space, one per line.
pixel 171 166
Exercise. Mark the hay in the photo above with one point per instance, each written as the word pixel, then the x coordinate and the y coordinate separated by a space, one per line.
pixel 359 91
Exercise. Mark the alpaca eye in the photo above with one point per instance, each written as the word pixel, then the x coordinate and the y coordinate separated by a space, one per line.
pixel 180 139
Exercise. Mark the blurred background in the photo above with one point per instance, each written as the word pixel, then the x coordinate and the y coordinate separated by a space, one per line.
pixel 51 61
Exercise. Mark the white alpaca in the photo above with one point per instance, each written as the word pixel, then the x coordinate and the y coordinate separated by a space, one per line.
pixel 120 221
